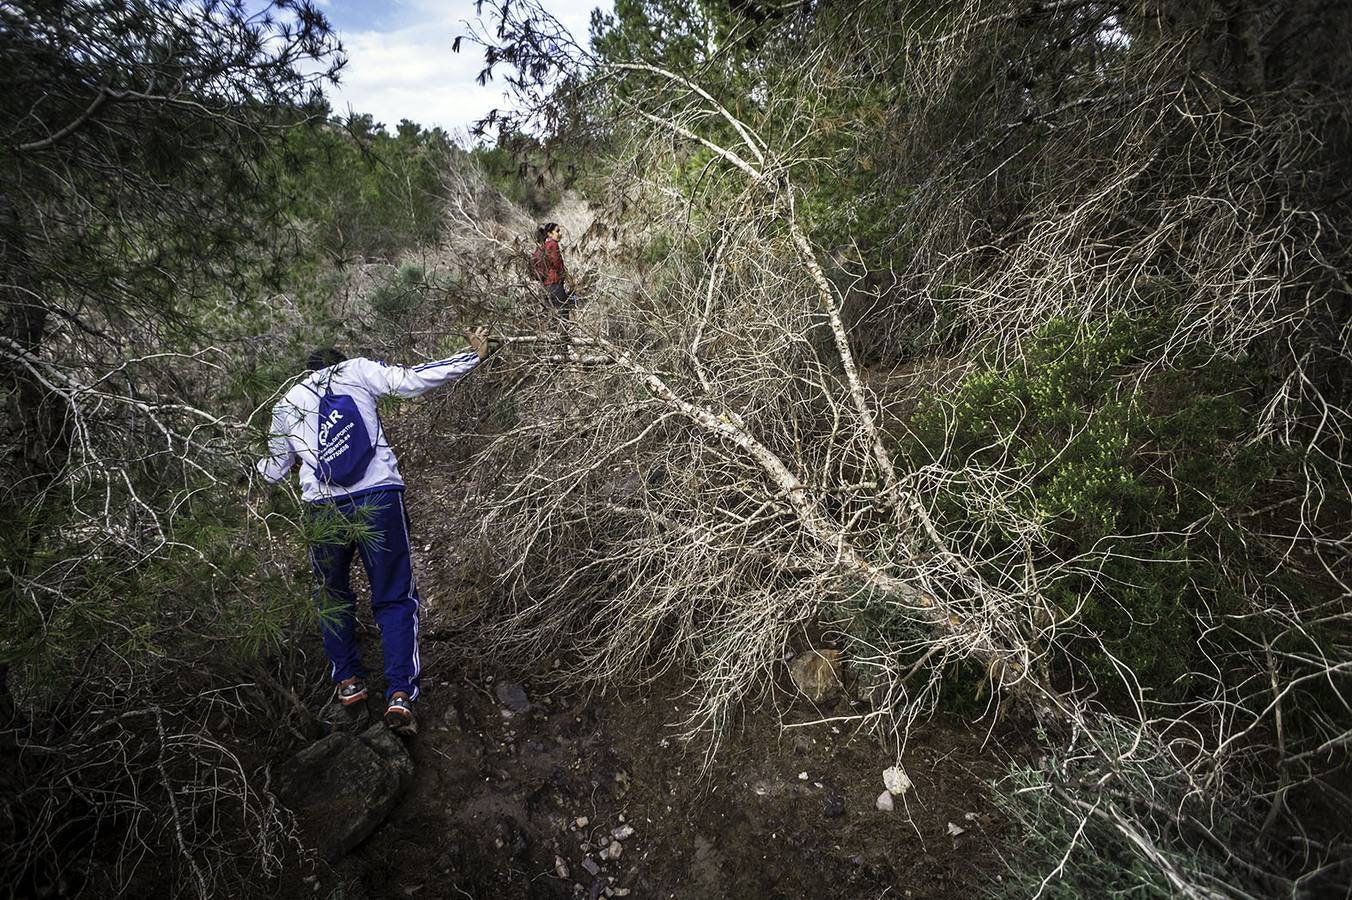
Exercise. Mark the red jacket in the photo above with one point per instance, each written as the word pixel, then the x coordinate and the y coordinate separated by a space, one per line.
pixel 553 263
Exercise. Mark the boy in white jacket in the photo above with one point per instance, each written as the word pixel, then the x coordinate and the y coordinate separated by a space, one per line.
pixel 349 471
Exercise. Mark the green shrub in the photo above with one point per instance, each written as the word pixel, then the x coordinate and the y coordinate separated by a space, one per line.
pixel 657 250
pixel 1078 851
pixel 1135 470
pixel 398 294
pixel 523 173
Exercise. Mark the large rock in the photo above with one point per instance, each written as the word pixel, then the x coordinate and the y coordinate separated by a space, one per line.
pixel 343 786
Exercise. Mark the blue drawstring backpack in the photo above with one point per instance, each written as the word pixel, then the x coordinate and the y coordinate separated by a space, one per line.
pixel 345 447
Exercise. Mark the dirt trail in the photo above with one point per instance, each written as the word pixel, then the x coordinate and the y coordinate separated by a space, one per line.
pixel 526 804
pixel 510 807
pixel 499 798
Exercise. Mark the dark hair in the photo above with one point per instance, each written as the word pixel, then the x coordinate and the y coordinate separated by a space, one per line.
pixel 324 357
pixel 543 231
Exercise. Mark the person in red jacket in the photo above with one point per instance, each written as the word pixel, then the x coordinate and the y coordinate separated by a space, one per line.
pixel 548 263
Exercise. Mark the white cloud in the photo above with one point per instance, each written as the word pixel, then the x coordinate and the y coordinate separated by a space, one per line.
pixel 410 72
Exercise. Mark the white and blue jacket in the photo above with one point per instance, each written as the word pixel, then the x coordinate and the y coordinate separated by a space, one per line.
pixel 295 419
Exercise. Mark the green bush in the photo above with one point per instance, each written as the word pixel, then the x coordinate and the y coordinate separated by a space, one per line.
pixel 398 295
pixel 1078 851
pixel 206 581
pixel 504 174
pixel 527 175
pixel 1136 470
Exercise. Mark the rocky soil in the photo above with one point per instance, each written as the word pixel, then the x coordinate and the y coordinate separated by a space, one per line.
pixel 568 795
pixel 526 786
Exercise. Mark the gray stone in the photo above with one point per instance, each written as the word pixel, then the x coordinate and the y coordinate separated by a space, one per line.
pixel 512 695
pixel 343 786
pixel 591 866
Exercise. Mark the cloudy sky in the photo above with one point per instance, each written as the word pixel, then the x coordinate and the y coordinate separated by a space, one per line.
pixel 400 64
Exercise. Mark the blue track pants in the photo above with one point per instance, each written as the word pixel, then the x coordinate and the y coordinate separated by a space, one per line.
pixel 394 593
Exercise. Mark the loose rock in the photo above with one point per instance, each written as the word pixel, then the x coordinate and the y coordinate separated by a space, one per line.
pixel 816 674
pixel 591 865
pixel 884 801
pixel 614 850
pixel 622 833
pixel 512 695
pixel 896 780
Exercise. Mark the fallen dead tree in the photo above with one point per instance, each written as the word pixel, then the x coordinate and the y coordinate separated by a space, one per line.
pixel 826 517
pixel 707 473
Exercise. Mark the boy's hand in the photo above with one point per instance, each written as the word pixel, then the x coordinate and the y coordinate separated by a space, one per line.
pixel 478 339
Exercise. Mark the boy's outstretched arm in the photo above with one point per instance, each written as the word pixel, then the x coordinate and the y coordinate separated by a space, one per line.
pixel 410 381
